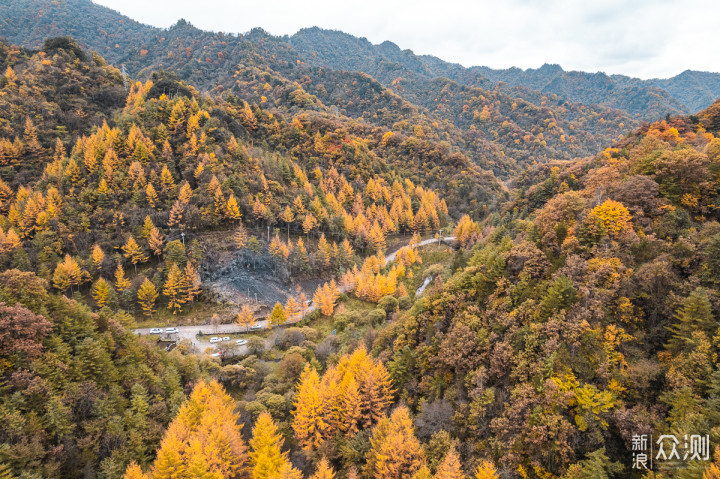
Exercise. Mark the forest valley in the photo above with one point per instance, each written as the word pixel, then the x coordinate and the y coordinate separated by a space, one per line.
pixel 570 313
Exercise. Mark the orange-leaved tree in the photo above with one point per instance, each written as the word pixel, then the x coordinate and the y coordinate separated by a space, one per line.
pixel 204 439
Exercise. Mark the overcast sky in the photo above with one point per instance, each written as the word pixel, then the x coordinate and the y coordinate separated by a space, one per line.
pixel 643 38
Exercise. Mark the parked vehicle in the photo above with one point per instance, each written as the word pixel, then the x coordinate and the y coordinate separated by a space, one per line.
pixel 156 331
pixel 241 342
pixel 226 338
pixel 256 327
pixel 215 339
pixel 171 330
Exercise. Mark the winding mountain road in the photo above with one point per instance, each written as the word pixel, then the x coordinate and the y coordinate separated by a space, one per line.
pixel 191 332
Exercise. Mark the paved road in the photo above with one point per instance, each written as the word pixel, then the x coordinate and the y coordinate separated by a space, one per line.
pixel 391 257
pixel 191 332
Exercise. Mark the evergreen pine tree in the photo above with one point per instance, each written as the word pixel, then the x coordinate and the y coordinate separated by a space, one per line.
pixel 694 314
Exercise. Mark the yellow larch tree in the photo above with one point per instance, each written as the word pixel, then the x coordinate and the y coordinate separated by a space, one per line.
pixel 133 252
pixel 147 296
pixel 172 289
pixel 121 282
pixel 299 206
pixel 288 217
pixel 308 423
pixel 204 439
pixel 245 318
pixel 375 391
pixel 347 253
pixel 151 196
pixel 376 237
pixel 185 193
pixel 301 256
pixel 147 227
pixel 351 405
pixel 351 396
pixel 259 210
pixel 68 274
pixel 220 207
pixel 103 187
pixel 331 396
pixel 423 473
pixel 325 251
pixel 277 316
pixel 167 181
pixel 712 471
pixel 450 467
pixel 325 299
pixel 101 292
pixel 30 135
pixel 276 247
pixel 395 451
pixel 177 212
pixel 12 241
pixel 466 232
pixel 324 471
pixel 134 472
pixel 309 223
pixel 156 242
pixel 97 257
pixel 486 470
pixel 267 459
pixel 190 283
pixel 292 310
pixel 232 210
pixel 240 237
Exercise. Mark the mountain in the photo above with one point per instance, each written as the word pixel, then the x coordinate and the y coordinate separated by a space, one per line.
pixel 115 203
pixel 32 22
pixel 588 318
pixel 710 117
pixel 191 179
pixel 501 129
pixel 685 93
pixel 644 99
pixel 118 38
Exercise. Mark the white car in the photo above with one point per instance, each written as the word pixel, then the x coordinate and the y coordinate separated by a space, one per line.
pixel 256 327
pixel 171 330
pixel 226 338
pixel 156 331
pixel 215 339
pixel 241 342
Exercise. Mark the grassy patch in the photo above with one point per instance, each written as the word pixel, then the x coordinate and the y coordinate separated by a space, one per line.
pixel 193 314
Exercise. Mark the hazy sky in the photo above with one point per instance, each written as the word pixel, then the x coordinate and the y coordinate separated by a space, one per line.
pixel 643 38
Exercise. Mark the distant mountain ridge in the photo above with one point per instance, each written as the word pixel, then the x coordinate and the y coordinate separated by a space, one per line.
pixel 685 93
pixel 502 125
pixel 25 22
pixel 689 91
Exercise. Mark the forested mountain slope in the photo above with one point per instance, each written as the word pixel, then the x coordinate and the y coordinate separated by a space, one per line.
pixel 651 99
pixel 584 315
pixel 569 314
pixel 591 317
pixel 500 129
pixel 96 185
pixel 645 99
